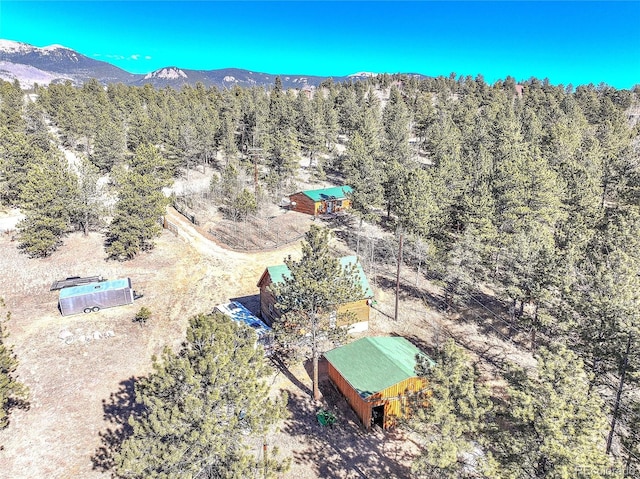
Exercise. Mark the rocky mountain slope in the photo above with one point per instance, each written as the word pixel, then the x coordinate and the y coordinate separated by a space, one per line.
pixel 53 64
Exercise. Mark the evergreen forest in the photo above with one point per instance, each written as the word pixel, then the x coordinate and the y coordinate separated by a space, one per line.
pixel 530 190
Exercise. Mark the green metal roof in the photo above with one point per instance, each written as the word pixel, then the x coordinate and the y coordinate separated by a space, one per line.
pixel 93 287
pixel 279 272
pixel 373 364
pixel 337 192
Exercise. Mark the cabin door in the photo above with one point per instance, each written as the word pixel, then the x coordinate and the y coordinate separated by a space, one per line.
pixel 330 206
pixel 377 416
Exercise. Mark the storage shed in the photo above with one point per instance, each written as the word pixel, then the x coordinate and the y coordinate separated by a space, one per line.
pixel 376 375
pixel 360 308
pixel 325 200
pixel 95 296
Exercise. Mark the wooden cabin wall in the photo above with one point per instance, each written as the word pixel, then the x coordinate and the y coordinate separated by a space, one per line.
pixel 346 204
pixel 396 407
pixel 303 204
pixel 267 299
pixel 359 405
pixel 359 308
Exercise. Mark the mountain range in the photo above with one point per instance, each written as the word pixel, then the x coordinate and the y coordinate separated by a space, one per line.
pixel 56 64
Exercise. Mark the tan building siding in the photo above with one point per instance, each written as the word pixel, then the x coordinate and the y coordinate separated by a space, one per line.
pixel 394 399
pixel 360 310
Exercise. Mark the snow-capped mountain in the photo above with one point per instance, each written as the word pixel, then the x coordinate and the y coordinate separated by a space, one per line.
pixel 58 62
pixel 55 63
pixel 362 75
pixel 169 73
pixel 224 78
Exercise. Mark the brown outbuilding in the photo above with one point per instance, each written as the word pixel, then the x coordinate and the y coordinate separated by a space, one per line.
pixel 322 201
pixel 377 376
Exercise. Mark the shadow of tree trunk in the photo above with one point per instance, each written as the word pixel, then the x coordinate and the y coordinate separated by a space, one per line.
pixel 282 367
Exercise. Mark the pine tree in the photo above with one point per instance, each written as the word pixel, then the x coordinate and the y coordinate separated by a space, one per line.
pixel 246 204
pixel 395 119
pixel 309 298
pixel 87 208
pixel 36 127
pixel 363 176
pixel 310 127
pixel 11 105
pixel 109 146
pixel 140 204
pixel 229 116
pixel 330 116
pixel 46 200
pixel 454 416
pixel 347 109
pixel 617 158
pixel 198 406
pixel 414 201
pixel 280 142
pixel 605 307
pixel 631 442
pixel 554 426
pixel 16 154
pixel 12 392
pixel 370 125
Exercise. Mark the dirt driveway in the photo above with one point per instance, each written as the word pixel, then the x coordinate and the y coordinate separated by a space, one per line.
pixel 79 367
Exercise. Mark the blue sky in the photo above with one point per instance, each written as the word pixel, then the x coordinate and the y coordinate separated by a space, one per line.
pixel 567 42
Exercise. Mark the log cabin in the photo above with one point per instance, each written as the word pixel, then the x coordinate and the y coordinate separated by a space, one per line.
pixel 360 308
pixel 377 376
pixel 323 201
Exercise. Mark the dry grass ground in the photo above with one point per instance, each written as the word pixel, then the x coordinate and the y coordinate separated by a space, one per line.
pixel 79 391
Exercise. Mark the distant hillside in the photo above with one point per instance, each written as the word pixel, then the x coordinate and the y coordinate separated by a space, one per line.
pixel 53 64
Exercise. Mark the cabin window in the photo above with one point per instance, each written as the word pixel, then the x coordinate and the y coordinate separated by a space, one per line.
pixel 270 308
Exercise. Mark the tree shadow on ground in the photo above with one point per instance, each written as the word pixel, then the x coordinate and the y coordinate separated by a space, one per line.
pixel 11 404
pixel 408 291
pixel 490 354
pixel 117 410
pixel 284 369
pixel 419 343
pixel 344 449
pixel 491 315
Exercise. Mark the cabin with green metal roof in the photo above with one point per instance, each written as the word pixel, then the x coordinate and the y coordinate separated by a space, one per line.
pixel 322 201
pixel 360 308
pixel 377 376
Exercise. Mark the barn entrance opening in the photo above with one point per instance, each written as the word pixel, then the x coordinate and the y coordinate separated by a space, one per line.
pixel 377 416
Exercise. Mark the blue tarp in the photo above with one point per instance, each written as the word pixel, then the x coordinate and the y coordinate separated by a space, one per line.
pixel 239 313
